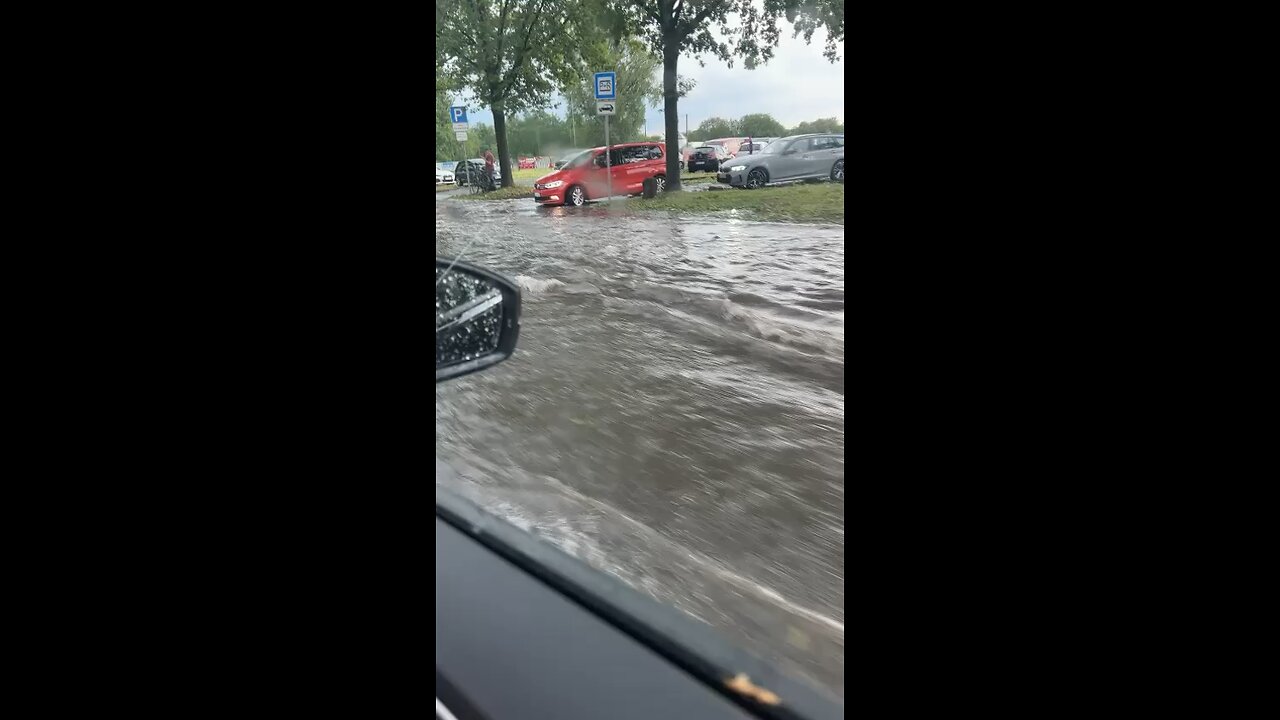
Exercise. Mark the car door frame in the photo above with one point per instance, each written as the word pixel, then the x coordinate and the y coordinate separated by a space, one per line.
pixel 820 158
pixel 595 178
pixel 628 177
pixel 787 167
pixel 837 152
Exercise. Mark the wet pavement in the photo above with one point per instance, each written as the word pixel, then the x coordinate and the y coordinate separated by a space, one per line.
pixel 674 412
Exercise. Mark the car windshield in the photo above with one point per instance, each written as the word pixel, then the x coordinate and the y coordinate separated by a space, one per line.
pixel 673 412
pixel 578 160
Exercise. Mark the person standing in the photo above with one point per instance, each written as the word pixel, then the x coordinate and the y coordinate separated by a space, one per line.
pixel 488 163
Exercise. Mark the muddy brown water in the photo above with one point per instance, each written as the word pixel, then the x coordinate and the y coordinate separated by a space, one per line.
pixel 674 412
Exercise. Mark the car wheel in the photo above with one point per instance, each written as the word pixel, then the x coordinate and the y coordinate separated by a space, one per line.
pixel 660 183
pixel 837 172
pixel 577 196
pixel 757 178
pixel 713 167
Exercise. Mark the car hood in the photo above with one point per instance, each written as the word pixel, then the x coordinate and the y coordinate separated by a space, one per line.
pixel 750 160
pixel 557 175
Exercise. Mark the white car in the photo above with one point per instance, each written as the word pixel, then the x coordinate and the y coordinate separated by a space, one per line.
pixel 443 176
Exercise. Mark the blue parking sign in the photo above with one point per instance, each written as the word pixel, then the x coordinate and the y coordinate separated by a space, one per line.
pixel 457 114
pixel 606 85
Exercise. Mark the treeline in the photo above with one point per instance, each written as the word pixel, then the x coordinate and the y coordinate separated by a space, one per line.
pixel 761 125
pixel 513 56
pixel 536 134
pixel 544 134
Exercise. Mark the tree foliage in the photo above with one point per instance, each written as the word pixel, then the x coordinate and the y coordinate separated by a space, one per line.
pixel 673 28
pixel 821 125
pixel 716 127
pixel 760 125
pixel 807 17
pixel 639 87
pixel 509 53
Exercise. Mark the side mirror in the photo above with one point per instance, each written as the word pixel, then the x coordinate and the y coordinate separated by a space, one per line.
pixel 477 318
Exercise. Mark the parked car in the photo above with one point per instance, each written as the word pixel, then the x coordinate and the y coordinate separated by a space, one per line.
pixel 443 176
pixel 527 163
pixel 476 167
pixel 584 177
pixel 755 146
pixel 707 158
pixel 799 157
pixel 730 144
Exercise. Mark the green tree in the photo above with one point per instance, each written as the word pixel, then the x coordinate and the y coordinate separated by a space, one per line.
pixel 760 125
pixel 509 53
pixel 715 127
pixel 537 133
pixel 821 125
pixel 444 130
pixel 675 27
pixel 638 89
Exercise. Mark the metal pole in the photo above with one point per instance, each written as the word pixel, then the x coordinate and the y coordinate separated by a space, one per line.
pixel 608 171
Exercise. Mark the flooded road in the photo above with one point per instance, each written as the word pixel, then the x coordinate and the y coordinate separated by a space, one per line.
pixel 674 412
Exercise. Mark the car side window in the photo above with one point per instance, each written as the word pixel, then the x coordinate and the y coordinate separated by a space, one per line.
pixel 641 153
pixel 837 141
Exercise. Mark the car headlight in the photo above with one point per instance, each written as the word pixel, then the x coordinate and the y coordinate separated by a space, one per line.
pixel 554 184
pixel 737 168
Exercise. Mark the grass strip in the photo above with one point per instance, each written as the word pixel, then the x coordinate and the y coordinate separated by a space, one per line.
pixel 820 202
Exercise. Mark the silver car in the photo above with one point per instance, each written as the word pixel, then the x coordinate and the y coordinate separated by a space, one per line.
pixel 799 157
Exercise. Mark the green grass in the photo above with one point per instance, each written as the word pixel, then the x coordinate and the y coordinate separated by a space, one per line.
pixel 515 192
pixel 821 202
pixel 446 186
pixel 530 174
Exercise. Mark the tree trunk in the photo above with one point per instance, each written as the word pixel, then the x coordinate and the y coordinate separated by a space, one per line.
pixel 500 132
pixel 670 54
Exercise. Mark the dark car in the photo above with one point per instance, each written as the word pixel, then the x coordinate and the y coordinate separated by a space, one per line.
pixel 467 172
pixel 707 158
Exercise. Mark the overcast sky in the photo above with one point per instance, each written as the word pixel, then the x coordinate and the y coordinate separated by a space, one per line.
pixel 798 84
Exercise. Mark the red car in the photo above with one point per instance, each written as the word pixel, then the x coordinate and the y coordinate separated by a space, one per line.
pixel 584 177
pixel 527 163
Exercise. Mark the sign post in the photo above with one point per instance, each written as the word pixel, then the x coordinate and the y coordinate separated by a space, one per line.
pixel 458 116
pixel 606 86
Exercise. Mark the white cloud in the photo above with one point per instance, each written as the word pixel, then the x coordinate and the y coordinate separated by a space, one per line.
pixel 798 84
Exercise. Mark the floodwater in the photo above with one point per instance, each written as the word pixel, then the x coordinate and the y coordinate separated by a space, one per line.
pixel 674 412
